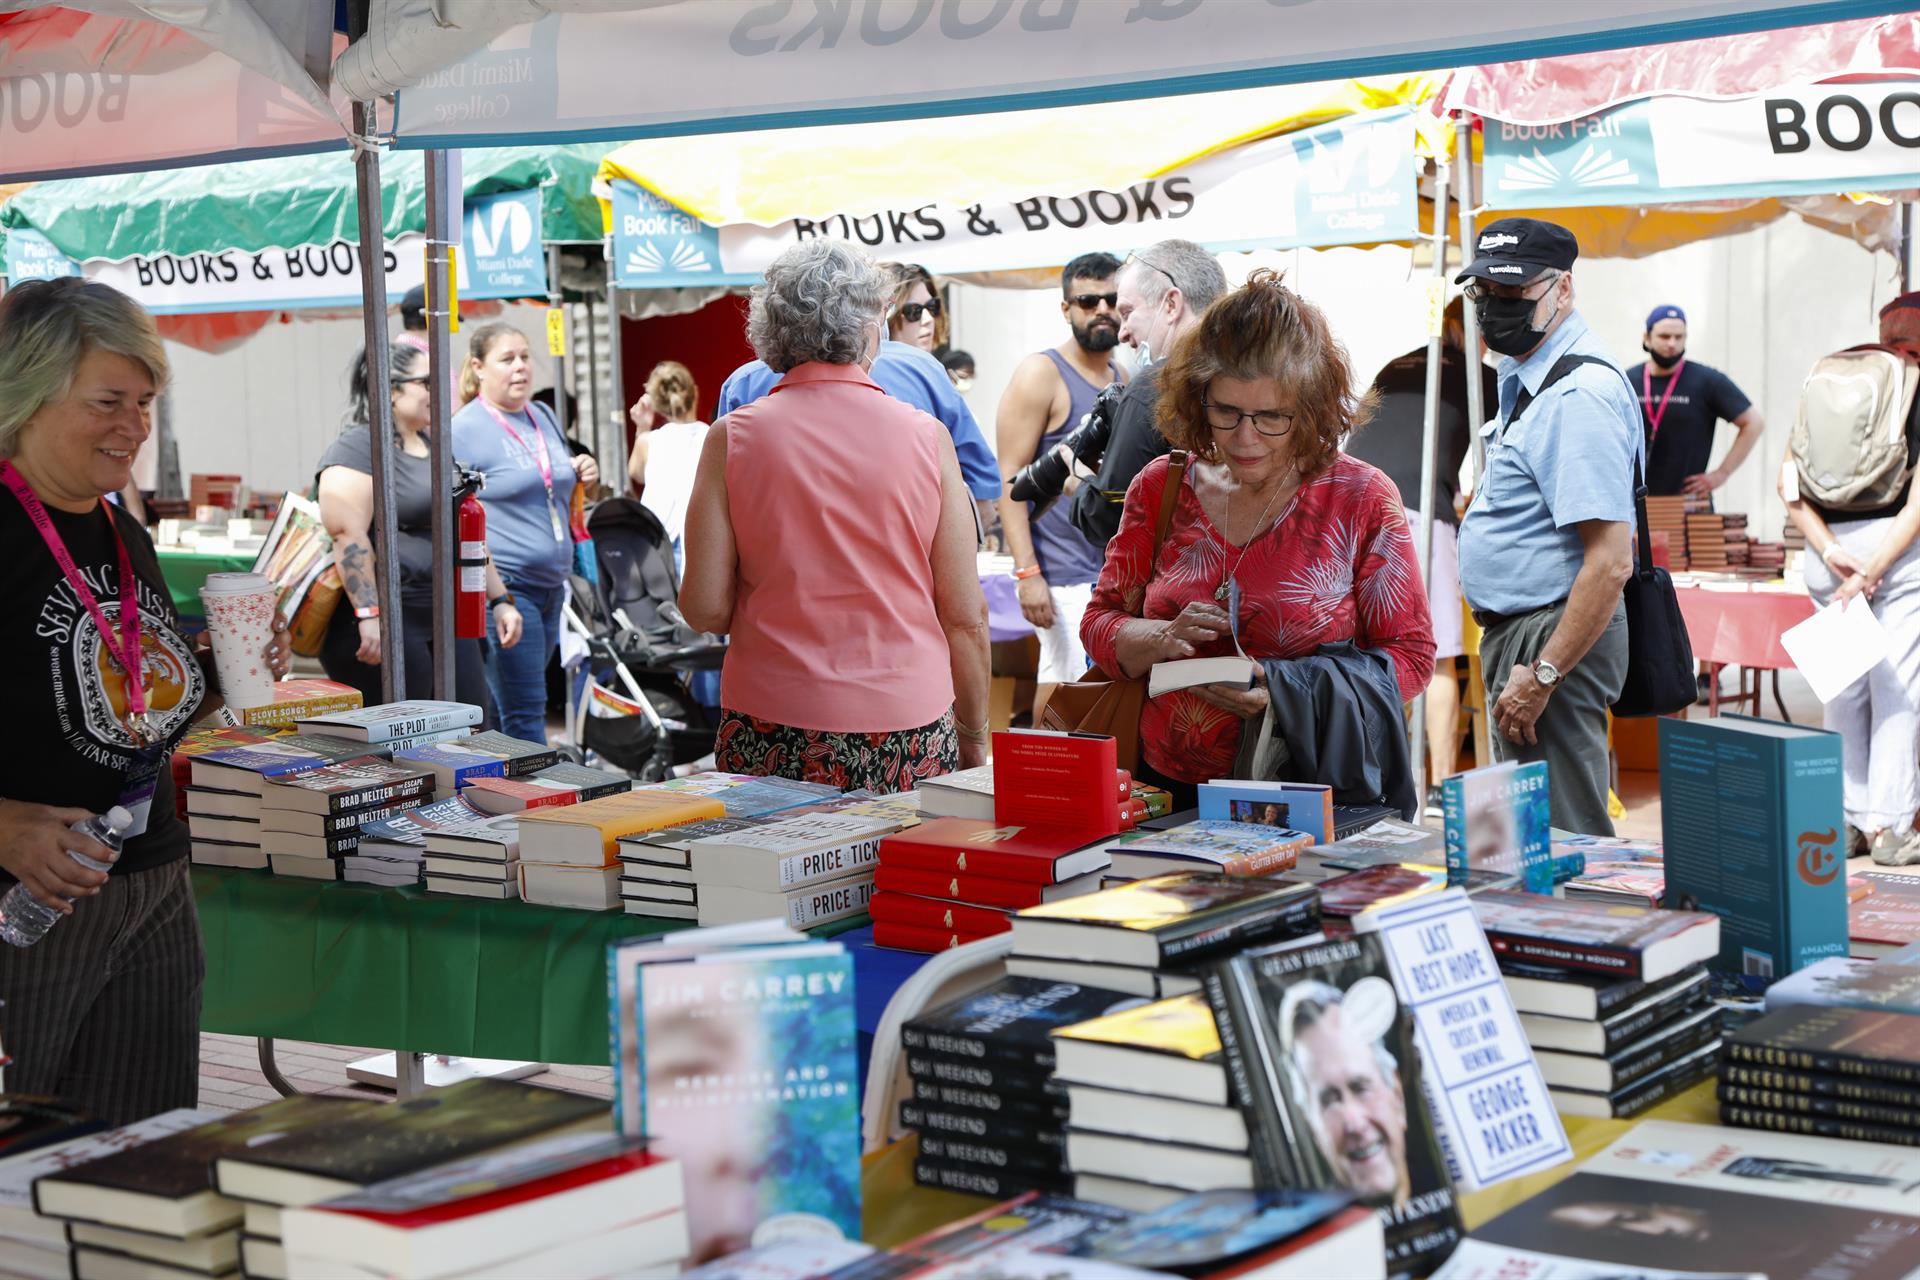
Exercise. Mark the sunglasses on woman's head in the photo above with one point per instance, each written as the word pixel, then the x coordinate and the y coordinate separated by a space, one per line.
pixel 912 311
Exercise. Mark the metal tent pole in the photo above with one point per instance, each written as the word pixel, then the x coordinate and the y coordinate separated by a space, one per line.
pixel 609 435
pixel 443 232
pixel 1429 440
pixel 556 298
pixel 373 290
pixel 1469 194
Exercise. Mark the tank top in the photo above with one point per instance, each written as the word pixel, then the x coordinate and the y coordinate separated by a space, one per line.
pixel 833 490
pixel 1065 556
pixel 673 456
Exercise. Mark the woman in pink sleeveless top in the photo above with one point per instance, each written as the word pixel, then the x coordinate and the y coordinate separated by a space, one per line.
pixel 831 535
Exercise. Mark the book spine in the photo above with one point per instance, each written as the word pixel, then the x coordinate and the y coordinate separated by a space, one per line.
pixel 1816 1126
pixel 827 903
pixel 1042 1111
pixel 1631 1027
pixel 999 1157
pixel 1266 862
pixel 946 861
pixel 801 869
pixel 983 1182
pixel 1453 804
pixel 1815 1104
pixel 1589 957
pixel 912 937
pixel 414 726
pixel 937 913
pixel 1822 1060
pixel 978 1048
pixel 1011 895
pixel 466 774
pixel 1670 1049
pixel 601 790
pixel 522 766
pixel 1252 1087
pixel 353 803
pixel 1293 919
pixel 1819 1085
pixel 1813 862
pixel 965 1073
pixel 360 819
pixel 966 1124
pixel 1652 1092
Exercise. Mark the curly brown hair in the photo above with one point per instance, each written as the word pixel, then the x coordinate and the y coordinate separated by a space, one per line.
pixel 1263 330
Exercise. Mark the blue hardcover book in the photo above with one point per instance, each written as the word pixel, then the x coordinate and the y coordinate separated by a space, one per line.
pixel 1754 831
pixel 742 1063
pixel 1498 819
pixel 1303 806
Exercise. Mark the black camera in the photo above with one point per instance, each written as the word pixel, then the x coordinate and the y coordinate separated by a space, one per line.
pixel 1042 481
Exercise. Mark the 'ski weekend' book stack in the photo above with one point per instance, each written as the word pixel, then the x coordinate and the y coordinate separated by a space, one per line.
pixel 568 854
pixel 311 818
pixel 1613 999
pixel 1057 798
pixel 989 1119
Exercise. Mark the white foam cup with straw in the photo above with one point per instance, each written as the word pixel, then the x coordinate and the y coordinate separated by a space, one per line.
pixel 240 610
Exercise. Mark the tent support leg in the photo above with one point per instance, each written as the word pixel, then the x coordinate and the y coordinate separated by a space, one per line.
pixel 443 224
pixel 1429 443
pixel 373 287
pixel 610 432
pixel 556 298
pixel 1469 192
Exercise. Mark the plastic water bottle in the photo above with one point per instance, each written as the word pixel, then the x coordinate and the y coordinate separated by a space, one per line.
pixel 24 919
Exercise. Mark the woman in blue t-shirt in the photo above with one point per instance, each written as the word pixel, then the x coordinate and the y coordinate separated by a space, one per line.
pixel 530 477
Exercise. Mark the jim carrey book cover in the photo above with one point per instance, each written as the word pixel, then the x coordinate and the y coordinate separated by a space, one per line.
pixel 749 1076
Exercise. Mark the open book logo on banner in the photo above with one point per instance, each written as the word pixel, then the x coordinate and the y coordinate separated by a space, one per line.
pixel 657 243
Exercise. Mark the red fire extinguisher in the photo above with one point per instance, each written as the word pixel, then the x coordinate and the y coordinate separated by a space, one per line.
pixel 470 592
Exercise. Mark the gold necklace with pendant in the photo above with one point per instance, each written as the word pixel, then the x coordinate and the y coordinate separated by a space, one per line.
pixel 1226 577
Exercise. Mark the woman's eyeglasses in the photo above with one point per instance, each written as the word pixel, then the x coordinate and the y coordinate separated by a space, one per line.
pixel 1092 301
pixel 402 382
pixel 1268 422
pixel 912 311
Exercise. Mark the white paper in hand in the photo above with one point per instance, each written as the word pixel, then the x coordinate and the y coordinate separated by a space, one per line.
pixel 1836 646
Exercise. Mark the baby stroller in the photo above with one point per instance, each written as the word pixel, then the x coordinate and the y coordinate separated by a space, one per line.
pixel 635 709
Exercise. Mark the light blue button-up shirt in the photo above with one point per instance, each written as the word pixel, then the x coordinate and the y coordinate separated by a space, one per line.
pixel 1569 459
pixel 905 373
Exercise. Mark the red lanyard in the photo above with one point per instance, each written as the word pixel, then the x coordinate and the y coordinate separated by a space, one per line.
pixel 546 463
pixel 127 651
pixel 1646 394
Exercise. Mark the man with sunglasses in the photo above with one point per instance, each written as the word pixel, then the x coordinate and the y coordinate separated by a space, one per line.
pixel 1163 291
pixel 1055 566
pixel 1547 545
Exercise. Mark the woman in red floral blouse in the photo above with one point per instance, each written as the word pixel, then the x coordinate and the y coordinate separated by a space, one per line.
pixel 1260 394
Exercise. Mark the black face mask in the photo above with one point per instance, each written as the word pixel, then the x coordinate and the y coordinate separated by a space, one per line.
pixel 1506 324
pixel 1664 363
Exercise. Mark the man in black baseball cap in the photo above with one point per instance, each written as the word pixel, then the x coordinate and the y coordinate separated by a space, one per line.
pixel 1546 546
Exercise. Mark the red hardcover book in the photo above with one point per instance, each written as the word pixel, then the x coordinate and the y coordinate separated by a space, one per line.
pixel 985 891
pixel 1067 780
pixel 907 937
pixel 938 913
pixel 1032 854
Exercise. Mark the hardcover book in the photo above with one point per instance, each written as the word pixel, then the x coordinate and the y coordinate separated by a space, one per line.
pixel 924 939
pixel 744 1065
pixel 791 853
pixel 804 908
pixel 965 793
pixel 1820 1086
pixel 585 834
pixel 1643 1094
pixel 1039 1111
pixel 1211 1230
pixel 1597 937
pixel 1300 806
pixel 672 846
pixel 375 1143
pixel 1846 1042
pixel 1497 820
pixel 1818 1104
pixel 1230 847
pixel 348 823
pixel 591 783
pixel 1629 1023
pixel 334 789
pixel 494 838
pixel 1013 1020
pixel 28 1121
pixel 405 834
pixel 1174 919
pixel 1030 854
pixel 459 762
pixel 1043 778
pixel 938 913
pixel 1678 1036
pixel 1754 831
pixel 1299 1021
pixel 1849 983
pixel 517 795
pixel 392 720
pixel 985 891
pixel 1569 993
pixel 1887 917
pixel 1169 1048
pixel 1640 884
pixel 248 767
pixel 294 699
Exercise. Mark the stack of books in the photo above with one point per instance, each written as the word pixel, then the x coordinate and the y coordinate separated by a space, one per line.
pixel 950 881
pixel 1145 937
pixel 656 867
pixel 1386 842
pixel 1346 897
pixel 583 1204
pixel 1669 515
pixel 1613 999
pixel 472 854
pixel 1715 541
pixel 1152 1116
pixel 557 784
pixel 1827 1071
pixel 227 781
pixel 1639 884
pixel 811 869
pixel 457 763
pixel 199 742
pixel 993 1118
pixel 399 726
pixel 1231 847
pixel 968 793
pixel 298 699
pixel 391 851
pixel 311 818
pixel 568 855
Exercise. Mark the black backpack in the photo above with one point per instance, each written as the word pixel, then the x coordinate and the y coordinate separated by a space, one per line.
pixel 1659 655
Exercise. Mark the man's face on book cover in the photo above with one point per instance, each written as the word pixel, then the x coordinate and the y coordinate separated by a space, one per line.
pixel 1356 1108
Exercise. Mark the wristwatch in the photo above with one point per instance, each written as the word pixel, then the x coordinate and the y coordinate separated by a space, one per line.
pixel 1546 674
pixel 505 597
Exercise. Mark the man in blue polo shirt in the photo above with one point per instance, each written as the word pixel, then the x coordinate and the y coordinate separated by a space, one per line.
pixel 910 375
pixel 1547 544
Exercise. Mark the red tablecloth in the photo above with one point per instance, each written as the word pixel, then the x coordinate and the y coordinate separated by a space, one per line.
pixel 1741 628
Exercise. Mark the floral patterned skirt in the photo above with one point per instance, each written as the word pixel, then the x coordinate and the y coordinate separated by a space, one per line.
pixel 879 762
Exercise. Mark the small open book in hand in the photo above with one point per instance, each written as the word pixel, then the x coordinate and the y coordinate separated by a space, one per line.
pixel 1235 670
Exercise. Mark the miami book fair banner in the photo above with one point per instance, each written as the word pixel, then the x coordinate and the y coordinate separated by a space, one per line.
pixel 1350 182
pixel 1802 140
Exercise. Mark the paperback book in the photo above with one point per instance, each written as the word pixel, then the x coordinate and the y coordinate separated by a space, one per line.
pixel 791 853
pixel 744 795
pixel 392 720
pixel 1850 983
pixel 1298 806
pixel 1885 918
pixel 336 789
pixel 294 699
pixel 1012 1019
pixel 458 763
pixel 1169 920
pixel 1497 820
pixel 1230 847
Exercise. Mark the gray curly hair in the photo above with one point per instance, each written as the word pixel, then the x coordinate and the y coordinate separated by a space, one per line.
pixel 817 302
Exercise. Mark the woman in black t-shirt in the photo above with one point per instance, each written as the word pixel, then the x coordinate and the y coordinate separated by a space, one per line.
pixel 104 1010
pixel 351 650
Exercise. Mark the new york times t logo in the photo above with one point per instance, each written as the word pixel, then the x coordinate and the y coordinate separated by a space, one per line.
pixel 1819 863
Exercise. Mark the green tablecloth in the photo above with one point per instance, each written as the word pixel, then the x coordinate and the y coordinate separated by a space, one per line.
pixel 185 571
pixel 405 969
